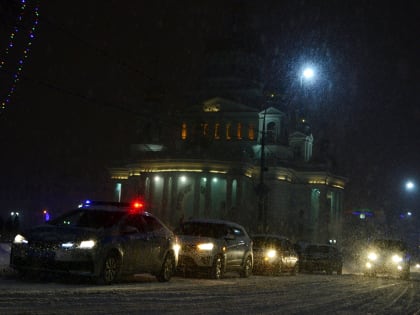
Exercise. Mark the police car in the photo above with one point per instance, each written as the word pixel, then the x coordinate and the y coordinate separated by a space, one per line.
pixel 103 240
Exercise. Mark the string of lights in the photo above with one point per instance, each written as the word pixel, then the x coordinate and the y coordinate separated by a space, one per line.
pixel 30 15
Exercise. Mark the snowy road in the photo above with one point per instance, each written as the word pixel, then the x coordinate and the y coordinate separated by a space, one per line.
pixel 301 294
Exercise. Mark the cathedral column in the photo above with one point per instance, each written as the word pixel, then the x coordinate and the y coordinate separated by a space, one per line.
pixel 196 197
pixel 239 192
pixel 174 193
pixel 229 197
pixel 207 199
pixel 164 214
pixel 324 216
pixel 151 191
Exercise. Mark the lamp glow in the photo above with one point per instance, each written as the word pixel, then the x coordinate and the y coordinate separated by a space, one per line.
pixel 308 73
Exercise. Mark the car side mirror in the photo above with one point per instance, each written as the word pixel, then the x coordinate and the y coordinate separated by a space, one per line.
pixel 129 229
pixel 230 237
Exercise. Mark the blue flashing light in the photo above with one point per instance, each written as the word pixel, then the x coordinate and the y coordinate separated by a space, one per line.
pixel 46 216
pixel 368 214
pixel 87 203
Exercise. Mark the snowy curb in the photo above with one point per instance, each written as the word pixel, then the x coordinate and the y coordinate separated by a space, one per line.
pixel 5 270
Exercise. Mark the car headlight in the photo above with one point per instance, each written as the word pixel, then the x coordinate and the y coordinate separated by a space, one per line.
pixel 397 258
pixel 20 239
pixel 271 253
pixel 372 256
pixel 88 244
pixel 176 247
pixel 67 245
pixel 205 246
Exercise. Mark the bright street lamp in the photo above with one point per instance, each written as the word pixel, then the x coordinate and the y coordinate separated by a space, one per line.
pixel 308 73
pixel 409 185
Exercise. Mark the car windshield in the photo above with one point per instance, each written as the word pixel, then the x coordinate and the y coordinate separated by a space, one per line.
pixel 389 245
pixel 203 229
pixel 317 249
pixel 265 242
pixel 88 218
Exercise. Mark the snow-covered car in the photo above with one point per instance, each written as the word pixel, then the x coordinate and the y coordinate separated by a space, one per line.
pixel 321 257
pixel 214 246
pixel 99 239
pixel 387 256
pixel 274 254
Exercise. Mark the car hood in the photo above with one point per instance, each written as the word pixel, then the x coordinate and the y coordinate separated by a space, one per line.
pixel 384 252
pixel 190 239
pixel 265 248
pixel 51 233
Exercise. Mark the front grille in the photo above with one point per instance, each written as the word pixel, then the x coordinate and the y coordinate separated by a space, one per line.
pixel 186 261
pixel 188 247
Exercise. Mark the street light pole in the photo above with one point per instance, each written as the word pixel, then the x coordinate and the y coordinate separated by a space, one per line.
pixel 262 215
pixel 262 190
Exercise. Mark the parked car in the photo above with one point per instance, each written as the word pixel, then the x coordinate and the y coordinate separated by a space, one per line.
pixel 387 256
pixel 215 247
pixel 99 239
pixel 274 254
pixel 321 257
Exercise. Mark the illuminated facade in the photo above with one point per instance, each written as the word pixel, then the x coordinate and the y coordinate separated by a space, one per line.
pixel 209 165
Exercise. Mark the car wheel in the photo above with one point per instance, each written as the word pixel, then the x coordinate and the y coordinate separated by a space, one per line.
pixel 167 269
pixel 295 270
pixel 247 268
pixel 22 273
pixel 110 269
pixel 405 275
pixel 216 271
pixel 279 269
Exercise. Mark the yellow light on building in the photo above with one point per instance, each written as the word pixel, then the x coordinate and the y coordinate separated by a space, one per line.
pixel 184 131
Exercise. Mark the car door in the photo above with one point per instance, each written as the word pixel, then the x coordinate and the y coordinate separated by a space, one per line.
pixel 236 246
pixel 158 242
pixel 135 244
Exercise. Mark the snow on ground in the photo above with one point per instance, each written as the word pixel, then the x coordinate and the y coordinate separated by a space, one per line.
pixel 302 294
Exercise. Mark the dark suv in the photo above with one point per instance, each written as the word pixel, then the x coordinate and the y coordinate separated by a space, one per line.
pixel 215 246
pixel 274 254
pixel 321 257
pixel 99 239
pixel 387 256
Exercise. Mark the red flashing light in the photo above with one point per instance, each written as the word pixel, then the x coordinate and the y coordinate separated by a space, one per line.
pixel 136 206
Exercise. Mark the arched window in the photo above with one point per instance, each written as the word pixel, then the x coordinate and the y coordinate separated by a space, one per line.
pixel 228 131
pixel 251 132
pixel 184 131
pixel 205 129
pixel 239 131
pixel 271 133
pixel 217 131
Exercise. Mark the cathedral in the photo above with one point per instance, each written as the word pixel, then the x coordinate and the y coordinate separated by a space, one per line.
pixel 226 160
pixel 231 156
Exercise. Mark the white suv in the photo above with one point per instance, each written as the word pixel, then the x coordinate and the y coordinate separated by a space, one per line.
pixel 214 246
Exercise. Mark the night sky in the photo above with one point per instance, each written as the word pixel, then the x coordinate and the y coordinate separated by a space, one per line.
pixel 94 66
